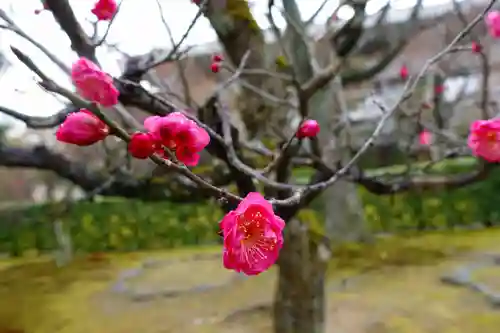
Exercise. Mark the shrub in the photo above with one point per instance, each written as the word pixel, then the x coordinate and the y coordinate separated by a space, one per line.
pixel 110 226
pixel 134 225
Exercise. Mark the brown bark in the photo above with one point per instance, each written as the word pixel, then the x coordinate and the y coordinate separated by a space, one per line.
pixel 64 15
pixel 299 302
pixel 238 33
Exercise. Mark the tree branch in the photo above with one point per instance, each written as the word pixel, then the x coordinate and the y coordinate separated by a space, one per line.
pixel 427 182
pixel 121 133
pixel 356 76
pixel 305 195
pixel 41 158
pixel 64 15
pixel 12 26
pixel 40 122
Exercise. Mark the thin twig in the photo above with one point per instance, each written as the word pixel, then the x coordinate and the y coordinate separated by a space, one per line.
pixel 281 155
pixel 180 67
pixel 108 28
pixel 407 93
pixel 183 38
pixel 117 130
pixel 12 26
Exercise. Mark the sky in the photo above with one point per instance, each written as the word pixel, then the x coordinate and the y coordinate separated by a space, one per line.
pixel 137 29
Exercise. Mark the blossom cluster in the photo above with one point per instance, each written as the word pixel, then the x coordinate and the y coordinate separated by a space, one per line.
pixel 175 132
pixel 252 233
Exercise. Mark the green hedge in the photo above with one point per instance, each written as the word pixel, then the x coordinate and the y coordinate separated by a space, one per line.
pixel 472 204
pixel 119 225
pixel 438 209
pixel 134 225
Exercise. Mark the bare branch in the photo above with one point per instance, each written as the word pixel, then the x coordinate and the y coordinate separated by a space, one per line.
pixel 282 154
pixel 353 76
pixel 320 80
pixel 187 93
pixel 427 182
pixel 140 72
pixel 92 181
pixel 311 19
pixel 244 43
pixel 108 28
pixel 50 85
pixel 316 188
pixel 64 15
pixel 40 122
pixel 12 26
pixel 238 164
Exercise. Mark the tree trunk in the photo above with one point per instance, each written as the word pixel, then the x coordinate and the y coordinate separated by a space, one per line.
pixel 345 221
pixel 64 251
pixel 299 302
pixel 342 206
pixel 238 32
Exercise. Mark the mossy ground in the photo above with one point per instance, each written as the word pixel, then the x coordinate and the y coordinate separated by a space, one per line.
pixel 397 289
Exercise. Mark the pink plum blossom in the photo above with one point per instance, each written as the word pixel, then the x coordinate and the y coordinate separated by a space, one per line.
pixel 179 134
pixel 104 10
pixel 493 23
pixel 308 129
pixel 93 84
pixel 425 138
pixel 252 236
pixel 484 139
pixel 82 128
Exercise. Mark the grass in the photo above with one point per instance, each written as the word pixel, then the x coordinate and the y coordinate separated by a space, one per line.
pixel 397 290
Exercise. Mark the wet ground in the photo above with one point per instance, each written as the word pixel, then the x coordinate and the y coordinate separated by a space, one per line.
pixel 411 285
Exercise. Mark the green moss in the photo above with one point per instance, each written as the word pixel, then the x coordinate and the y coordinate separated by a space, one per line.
pixel 37 297
pixel 240 10
pixel 407 250
pixel 27 287
pixel 281 62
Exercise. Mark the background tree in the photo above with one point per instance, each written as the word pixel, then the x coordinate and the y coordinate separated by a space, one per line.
pixel 279 89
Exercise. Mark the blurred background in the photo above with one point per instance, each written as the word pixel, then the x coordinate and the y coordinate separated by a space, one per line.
pixel 75 260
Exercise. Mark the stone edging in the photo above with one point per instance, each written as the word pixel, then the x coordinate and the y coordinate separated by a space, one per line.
pixel 462 277
pixel 120 286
